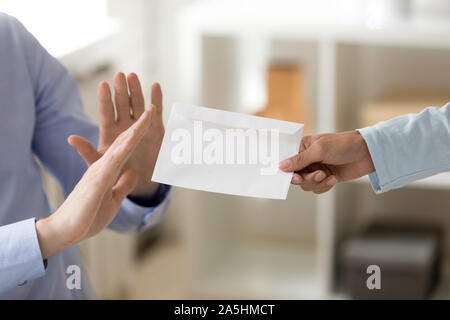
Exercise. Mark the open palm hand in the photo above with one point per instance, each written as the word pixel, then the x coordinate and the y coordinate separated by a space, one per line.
pixel 116 117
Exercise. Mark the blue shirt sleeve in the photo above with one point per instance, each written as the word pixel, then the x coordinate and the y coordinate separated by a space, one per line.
pixel 135 217
pixel 59 114
pixel 20 254
pixel 409 147
pixel 46 101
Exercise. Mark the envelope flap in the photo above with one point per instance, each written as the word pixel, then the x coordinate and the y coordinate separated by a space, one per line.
pixel 234 120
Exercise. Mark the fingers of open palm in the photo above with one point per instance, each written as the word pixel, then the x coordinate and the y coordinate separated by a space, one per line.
pixel 98 180
pixel 122 148
pixel 122 98
pixel 157 98
pixel 136 95
pixel 84 148
pixel 112 200
pixel 93 194
pixel 105 106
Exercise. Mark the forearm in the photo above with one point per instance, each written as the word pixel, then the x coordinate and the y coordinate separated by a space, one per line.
pixel 409 147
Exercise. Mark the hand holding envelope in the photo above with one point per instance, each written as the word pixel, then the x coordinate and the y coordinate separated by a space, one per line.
pixel 226 152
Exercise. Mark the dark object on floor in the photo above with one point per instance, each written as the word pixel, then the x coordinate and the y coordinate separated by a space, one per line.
pixel 392 263
pixel 147 240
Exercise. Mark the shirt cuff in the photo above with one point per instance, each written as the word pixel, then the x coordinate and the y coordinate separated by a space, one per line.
pixel 375 182
pixel 156 199
pixel 136 217
pixel 20 255
pixel 378 163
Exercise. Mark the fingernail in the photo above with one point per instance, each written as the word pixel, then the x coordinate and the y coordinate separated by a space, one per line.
pixel 285 164
pixel 332 181
pixel 319 176
pixel 296 179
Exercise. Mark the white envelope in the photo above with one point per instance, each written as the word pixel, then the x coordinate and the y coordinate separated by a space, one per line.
pixel 226 152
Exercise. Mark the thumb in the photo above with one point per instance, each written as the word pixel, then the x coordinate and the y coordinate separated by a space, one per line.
pixel 157 98
pixel 126 183
pixel 85 149
pixel 302 160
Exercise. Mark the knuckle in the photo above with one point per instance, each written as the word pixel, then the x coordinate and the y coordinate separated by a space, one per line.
pixel 298 158
pixel 134 131
pixel 324 184
pixel 122 136
pixel 319 148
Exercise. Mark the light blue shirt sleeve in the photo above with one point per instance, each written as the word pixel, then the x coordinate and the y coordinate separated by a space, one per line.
pixel 58 114
pixel 409 147
pixel 20 255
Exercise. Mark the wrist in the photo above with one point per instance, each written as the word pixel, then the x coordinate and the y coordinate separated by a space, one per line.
pixel 50 241
pixel 365 153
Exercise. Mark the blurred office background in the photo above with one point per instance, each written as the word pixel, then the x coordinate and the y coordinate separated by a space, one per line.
pixel 333 65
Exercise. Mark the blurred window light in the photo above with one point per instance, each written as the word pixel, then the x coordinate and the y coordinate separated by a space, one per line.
pixel 381 12
pixel 63 26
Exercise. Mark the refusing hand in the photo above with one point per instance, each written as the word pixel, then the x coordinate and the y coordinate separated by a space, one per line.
pixel 96 198
pixel 129 105
pixel 326 159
